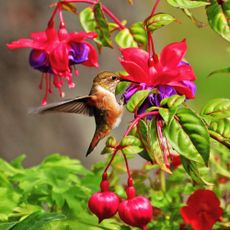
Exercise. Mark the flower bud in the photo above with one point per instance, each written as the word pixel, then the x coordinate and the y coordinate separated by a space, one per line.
pixel 104 204
pixel 135 211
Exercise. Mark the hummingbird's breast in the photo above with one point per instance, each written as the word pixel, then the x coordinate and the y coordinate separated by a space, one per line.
pixel 111 110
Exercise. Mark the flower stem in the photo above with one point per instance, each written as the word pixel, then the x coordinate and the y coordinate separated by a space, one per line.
pixel 111 160
pixel 136 120
pixel 155 7
pixel 104 8
pixel 127 166
pixel 56 9
pixel 162 179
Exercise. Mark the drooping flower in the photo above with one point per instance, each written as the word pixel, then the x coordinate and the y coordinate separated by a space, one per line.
pixel 55 52
pixel 136 210
pixel 203 210
pixel 104 204
pixel 168 74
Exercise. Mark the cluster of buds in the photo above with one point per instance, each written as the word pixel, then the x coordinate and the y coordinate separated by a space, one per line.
pixel 135 211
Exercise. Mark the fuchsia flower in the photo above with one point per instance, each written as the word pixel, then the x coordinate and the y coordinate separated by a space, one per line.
pixel 169 74
pixel 202 210
pixel 136 211
pixel 55 52
pixel 104 204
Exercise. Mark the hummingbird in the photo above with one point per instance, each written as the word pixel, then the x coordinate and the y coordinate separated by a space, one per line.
pixel 100 103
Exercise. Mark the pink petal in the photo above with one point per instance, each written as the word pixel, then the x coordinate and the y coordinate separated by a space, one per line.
pixel 172 54
pixel 136 73
pixel 26 43
pixel 39 36
pixel 79 37
pixel 187 72
pixel 92 57
pixel 182 89
pixel 59 60
pixel 136 55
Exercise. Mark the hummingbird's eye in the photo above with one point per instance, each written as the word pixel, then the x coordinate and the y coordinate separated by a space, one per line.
pixel 114 78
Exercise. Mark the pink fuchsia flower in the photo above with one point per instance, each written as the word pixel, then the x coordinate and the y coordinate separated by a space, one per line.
pixel 203 210
pixel 169 74
pixel 55 52
pixel 136 211
pixel 104 204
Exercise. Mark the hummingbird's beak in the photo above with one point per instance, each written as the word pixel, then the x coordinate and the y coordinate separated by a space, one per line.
pixel 122 80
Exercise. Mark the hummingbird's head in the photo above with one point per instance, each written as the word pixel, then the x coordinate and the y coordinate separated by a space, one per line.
pixel 107 80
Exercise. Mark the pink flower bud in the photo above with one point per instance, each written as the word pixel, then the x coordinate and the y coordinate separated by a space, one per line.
pixel 135 211
pixel 104 204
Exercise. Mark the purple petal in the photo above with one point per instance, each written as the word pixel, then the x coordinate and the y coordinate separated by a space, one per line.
pixel 164 91
pixel 39 60
pixel 78 53
pixel 191 85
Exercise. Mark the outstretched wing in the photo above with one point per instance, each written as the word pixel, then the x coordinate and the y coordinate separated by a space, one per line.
pixel 80 105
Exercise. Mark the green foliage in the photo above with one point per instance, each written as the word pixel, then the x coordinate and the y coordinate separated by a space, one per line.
pixel 137 99
pixel 218 19
pixel 102 27
pixel 216 109
pixel 187 4
pixel 189 136
pixel 159 20
pixel 125 39
pixel 139 34
pixel 41 206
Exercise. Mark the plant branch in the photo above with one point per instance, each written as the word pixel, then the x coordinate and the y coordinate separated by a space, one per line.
pixel 104 8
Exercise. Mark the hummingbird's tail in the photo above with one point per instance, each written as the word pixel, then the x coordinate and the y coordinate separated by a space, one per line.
pixel 98 135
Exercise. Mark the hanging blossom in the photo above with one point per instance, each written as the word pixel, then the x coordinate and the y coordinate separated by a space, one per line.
pixel 167 74
pixel 203 210
pixel 55 53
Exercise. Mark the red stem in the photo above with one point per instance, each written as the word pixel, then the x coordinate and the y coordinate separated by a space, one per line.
pixel 162 144
pixel 111 160
pixel 104 8
pixel 54 13
pixel 155 7
pixel 127 166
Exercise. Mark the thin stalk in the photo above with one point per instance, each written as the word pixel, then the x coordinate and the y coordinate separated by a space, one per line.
pixel 104 8
pixel 127 166
pixel 162 180
pixel 155 7
pixel 111 160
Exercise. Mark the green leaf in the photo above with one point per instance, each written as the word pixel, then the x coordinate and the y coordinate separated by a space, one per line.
pixel 121 87
pixel 125 39
pixel 102 27
pixel 173 101
pixel 187 4
pixel 221 126
pixel 224 70
pixel 217 109
pixel 137 99
pixel 226 9
pixel 139 33
pixel 88 21
pixel 188 136
pixel 130 140
pixel 37 220
pixel 159 20
pixel 192 169
pixel 7 226
pixel 148 136
pixel 10 199
pixel 111 142
pixel 132 149
pixel 218 20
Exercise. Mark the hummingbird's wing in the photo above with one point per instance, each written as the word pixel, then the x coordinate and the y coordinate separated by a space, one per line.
pixel 80 105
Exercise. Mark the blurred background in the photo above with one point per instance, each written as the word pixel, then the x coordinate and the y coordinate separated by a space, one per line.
pixel 38 136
